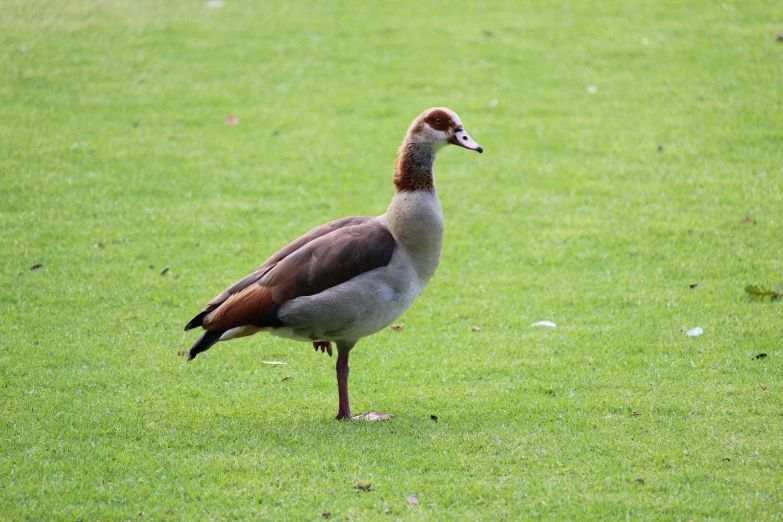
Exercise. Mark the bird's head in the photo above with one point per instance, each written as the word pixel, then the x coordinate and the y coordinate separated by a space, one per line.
pixel 439 127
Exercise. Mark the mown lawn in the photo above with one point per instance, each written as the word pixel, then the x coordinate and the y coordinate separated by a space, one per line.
pixel 632 149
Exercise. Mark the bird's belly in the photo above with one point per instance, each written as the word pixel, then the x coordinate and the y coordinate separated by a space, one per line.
pixel 377 316
pixel 363 306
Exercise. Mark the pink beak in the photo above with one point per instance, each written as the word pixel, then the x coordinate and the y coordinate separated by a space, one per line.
pixel 462 139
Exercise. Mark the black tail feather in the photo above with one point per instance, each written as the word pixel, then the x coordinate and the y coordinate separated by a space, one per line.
pixel 204 342
pixel 196 321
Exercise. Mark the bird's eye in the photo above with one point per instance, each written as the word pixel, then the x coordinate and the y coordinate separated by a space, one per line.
pixel 437 121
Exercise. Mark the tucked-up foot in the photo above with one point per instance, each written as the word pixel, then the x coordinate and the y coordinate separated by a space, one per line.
pixel 325 346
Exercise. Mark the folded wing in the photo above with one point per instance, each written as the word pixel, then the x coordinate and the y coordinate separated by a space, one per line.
pixel 321 259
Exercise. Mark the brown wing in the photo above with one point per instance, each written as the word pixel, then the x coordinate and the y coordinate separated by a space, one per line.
pixel 323 263
pixel 315 234
pixel 264 268
pixel 306 267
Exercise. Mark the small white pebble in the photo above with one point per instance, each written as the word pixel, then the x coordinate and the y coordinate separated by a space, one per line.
pixel 493 103
pixel 694 332
pixel 548 324
pixel 592 89
pixel 645 41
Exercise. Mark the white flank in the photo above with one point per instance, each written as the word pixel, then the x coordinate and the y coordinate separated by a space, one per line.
pixel 239 331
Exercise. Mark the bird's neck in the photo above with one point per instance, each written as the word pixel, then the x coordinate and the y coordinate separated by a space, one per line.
pixel 415 166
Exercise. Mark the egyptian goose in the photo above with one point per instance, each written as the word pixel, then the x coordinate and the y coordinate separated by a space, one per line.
pixel 352 277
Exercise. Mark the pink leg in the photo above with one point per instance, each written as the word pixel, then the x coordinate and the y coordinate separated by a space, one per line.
pixel 343 369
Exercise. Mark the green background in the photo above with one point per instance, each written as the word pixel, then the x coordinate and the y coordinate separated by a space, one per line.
pixel 631 149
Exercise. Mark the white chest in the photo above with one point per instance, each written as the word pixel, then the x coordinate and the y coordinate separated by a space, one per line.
pixel 415 219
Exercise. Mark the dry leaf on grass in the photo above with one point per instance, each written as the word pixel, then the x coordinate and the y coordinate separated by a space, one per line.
pixel 363 486
pixel 398 327
pixel 638 481
pixel 475 328
pixel 413 500
pixel 763 293
pixel 232 120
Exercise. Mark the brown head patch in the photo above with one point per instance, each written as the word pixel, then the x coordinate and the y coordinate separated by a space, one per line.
pixel 439 119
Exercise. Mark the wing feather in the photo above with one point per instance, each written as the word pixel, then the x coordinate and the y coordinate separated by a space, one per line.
pixel 321 259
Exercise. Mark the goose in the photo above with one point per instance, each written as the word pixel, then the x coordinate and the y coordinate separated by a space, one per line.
pixel 352 277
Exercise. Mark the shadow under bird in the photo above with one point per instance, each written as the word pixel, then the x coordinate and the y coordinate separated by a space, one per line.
pixel 352 277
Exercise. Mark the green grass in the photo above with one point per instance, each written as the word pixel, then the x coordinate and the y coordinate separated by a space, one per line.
pixel 112 131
